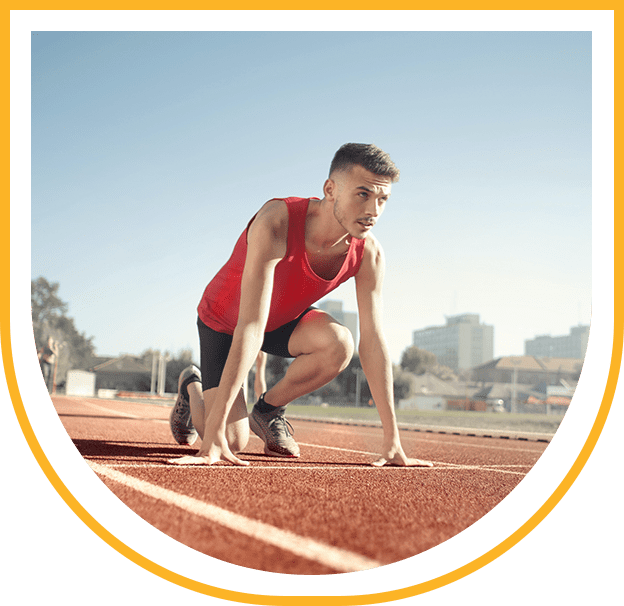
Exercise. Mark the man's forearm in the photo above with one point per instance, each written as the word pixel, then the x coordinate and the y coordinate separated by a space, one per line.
pixel 377 367
pixel 244 350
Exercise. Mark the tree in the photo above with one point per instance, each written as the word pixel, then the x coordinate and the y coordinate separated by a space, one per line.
pixel 276 368
pixel 76 350
pixel 418 360
pixel 175 365
pixel 46 308
pixel 403 382
pixel 443 372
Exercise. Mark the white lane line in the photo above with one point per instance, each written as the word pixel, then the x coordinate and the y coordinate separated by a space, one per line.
pixel 345 429
pixel 373 454
pixel 426 439
pixel 536 451
pixel 333 557
pixel 486 468
pixel 120 413
pixel 350 450
pixel 478 446
pixel 376 454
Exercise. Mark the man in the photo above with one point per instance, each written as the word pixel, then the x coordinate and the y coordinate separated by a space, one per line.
pixel 293 252
pixel 47 360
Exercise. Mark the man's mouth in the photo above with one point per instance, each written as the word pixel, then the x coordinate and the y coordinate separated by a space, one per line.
pixel 367 224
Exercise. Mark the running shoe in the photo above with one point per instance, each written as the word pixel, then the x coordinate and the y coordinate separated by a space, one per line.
pixel 180 419
pixel 275 431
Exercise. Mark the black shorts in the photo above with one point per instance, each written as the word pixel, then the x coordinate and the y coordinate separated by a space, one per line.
pixel 214 348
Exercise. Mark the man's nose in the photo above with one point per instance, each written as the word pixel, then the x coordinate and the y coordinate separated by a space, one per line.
pixel 374 208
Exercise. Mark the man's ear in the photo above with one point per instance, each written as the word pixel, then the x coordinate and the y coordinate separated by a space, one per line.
pixel 329 189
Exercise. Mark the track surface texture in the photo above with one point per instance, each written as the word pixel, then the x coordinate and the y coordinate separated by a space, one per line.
pixel 327 512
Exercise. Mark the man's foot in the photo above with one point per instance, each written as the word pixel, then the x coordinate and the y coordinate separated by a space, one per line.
pixel 180 418
pixel 273 428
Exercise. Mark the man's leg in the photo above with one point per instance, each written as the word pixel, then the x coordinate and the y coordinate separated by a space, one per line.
pixel 260 378
pixel 237 425
pixel 322 349
pixel 214 351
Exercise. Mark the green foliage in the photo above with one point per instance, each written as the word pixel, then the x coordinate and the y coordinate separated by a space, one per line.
pixel 76 351
pixel 46 308
pixel 175 365
pixel 403 381
pixel 418 360
pixel 343 388
pixel 276 368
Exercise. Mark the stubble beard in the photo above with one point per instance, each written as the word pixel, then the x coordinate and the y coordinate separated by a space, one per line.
pixel 340 217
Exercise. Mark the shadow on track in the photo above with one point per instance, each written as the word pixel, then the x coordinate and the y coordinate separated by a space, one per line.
pixel 124 451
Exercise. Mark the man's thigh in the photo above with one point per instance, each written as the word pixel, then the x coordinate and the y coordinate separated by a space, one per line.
pixel 316 331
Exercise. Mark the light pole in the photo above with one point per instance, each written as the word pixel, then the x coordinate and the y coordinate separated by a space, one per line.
pixel 162 367
pixel 359 374
pixel 153 383
pixel 514 390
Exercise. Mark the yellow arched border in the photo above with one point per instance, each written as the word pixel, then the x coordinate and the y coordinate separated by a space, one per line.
pixel 248 598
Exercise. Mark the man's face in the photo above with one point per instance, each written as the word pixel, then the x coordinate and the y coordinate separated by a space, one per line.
pixel 359 199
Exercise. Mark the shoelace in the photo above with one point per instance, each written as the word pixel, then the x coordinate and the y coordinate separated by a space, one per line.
pixel 283 422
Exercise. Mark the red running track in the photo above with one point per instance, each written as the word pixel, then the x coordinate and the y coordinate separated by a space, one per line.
pixel 327 512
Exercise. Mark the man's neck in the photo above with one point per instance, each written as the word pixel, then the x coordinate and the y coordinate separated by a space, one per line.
pixel 323 233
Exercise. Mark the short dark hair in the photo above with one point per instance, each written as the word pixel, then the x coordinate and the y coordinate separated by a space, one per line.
pixel 367 156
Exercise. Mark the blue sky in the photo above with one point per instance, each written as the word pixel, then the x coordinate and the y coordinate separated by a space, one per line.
pixel 151 151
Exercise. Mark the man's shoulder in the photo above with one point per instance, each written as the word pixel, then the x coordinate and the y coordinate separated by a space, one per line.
pixel 272 218
pixel 372 246
pixel 373 260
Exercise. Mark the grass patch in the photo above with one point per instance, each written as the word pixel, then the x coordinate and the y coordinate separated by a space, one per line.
pixel 539 423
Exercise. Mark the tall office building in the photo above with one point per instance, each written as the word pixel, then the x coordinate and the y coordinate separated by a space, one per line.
pixel 461 344
pixel 346 318
pixel 573 345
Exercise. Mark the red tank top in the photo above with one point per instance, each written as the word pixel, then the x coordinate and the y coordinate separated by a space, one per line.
pixel 295 285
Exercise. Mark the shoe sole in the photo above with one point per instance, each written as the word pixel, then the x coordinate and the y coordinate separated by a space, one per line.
pixel 257 429
pixel 188 437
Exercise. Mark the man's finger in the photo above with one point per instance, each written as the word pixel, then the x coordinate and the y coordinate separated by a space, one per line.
pixel 237 461
pixel 188 460
pixel 414 463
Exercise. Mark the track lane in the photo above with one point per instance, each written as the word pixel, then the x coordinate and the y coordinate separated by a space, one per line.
pixel 331 495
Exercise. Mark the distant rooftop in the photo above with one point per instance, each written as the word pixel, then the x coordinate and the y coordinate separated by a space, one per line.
pixel 126 363
pixel 462 319
pixel 532 363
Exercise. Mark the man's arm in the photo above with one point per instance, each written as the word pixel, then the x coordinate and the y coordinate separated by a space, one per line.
pixel 374 354
pixel 266 246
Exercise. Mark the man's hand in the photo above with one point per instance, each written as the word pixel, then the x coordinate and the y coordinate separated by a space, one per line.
pixel 394 455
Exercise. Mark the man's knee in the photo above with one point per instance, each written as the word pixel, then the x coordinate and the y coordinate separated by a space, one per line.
pixel 237 441
pixel 340 348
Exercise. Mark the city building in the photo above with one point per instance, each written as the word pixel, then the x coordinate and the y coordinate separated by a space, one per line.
pixel 346 318
pixel 573 345
pixel 126 372
pixel 528 383
pixel 461 344
pixel 528 370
